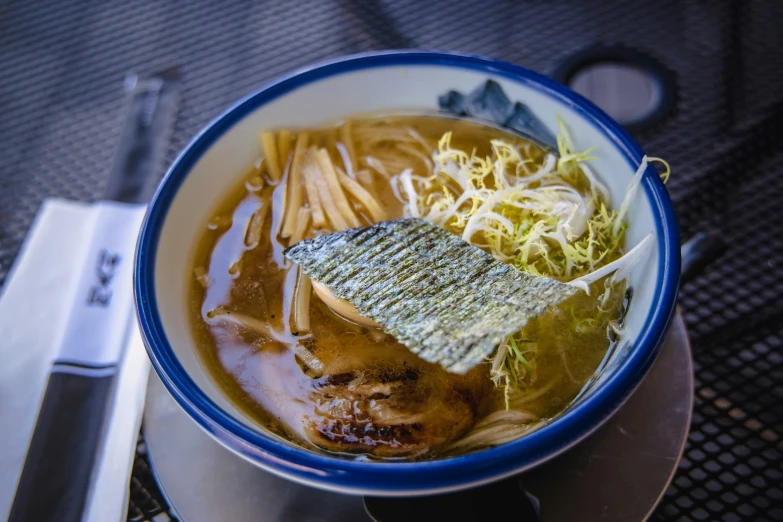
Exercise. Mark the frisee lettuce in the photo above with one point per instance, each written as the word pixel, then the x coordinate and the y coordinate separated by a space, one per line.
pixel 544 214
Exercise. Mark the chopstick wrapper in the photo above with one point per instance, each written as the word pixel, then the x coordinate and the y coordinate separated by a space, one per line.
pixel 34 312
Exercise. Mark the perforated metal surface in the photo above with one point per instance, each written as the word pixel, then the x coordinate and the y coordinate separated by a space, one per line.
pixel 61 70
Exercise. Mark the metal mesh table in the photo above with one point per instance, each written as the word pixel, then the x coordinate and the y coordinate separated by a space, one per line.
pixel 61 70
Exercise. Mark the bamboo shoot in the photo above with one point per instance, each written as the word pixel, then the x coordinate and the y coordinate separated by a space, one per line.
pixel 270 155
pixel 310 174
pixel 329 176
pixel 295 193
pixel 362 196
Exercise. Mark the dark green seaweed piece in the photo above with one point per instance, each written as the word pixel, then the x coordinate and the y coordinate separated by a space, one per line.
pixel 446 300
pixel 489 102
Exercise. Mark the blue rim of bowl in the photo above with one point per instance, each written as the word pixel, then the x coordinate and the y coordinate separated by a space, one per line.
pixel 403 478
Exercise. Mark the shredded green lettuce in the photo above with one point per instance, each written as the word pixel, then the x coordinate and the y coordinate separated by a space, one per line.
pixel 516 364
pixel 544 214
pixel 667 170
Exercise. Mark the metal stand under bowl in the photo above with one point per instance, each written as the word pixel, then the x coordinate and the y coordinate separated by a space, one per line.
pixel 619 473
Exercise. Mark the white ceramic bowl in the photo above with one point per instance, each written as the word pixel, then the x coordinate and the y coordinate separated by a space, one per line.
pixel 372 83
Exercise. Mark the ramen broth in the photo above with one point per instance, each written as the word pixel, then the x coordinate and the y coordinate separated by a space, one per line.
pixel 349 389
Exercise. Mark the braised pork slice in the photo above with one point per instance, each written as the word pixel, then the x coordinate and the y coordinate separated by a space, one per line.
pixel 391 412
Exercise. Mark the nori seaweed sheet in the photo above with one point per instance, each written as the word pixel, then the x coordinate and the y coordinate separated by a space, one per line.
pixel 446 300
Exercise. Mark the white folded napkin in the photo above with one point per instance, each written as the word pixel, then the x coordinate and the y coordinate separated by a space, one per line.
pixel 33 312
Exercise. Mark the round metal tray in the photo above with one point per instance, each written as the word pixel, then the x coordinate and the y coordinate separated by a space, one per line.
pixel 618 473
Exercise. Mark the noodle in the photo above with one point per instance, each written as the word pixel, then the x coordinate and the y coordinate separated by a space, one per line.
pixel 301 305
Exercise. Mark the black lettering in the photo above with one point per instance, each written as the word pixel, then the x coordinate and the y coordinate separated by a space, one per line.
pixel 107 263
pixel 100 294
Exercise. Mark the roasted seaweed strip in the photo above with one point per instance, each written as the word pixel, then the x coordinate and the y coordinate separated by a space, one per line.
pixel 447 301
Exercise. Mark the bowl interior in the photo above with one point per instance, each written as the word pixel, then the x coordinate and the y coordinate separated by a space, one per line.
pixel 232 147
